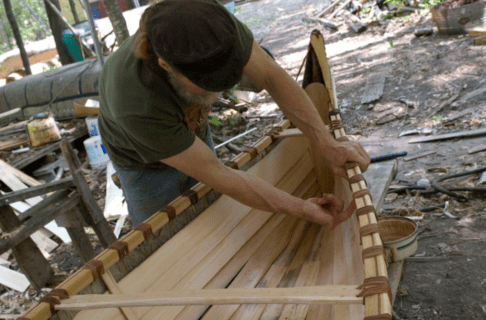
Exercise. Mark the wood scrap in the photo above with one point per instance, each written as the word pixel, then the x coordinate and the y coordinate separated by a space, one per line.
pixel 27 193
pixel 420 155
pixel 328 9
pixel 461 134
pixel 477 149
pixel 443 104
pixel 23 231
pixel 13 279
pixel 18 127
pixel 115 205
pixel 9 176
pixel 340 8
pixel 374 87
pixel 33 263
pixel 481 41
pixel 325 23
pixel 14 142
pixel 353 22
pixel 458 115
pixel 476 33
pixel 474 93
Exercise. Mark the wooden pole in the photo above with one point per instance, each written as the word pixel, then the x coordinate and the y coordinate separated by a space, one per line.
pixel 99 223
pixel 28 256
pixel 330 294
pixel 78 39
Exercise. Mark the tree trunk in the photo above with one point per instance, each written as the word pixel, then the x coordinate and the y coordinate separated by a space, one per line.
pixel 5 36
pixel 117 20
pixel 57 27
pixel 17 35
pixel 73 10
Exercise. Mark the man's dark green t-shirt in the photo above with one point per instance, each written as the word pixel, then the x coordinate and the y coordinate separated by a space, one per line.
pixel 142 120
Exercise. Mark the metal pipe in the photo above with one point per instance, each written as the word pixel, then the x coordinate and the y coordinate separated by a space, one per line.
pixel 94 34
pixel 234 138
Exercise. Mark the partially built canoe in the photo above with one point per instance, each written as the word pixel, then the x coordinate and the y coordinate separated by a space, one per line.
pixel 207 256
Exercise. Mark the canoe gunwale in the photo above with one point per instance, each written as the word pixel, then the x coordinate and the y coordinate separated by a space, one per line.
pixel 377 295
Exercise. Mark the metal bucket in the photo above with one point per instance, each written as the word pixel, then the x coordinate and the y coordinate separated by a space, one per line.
pixel 399 237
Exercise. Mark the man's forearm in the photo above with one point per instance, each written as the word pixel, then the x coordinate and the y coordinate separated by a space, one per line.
pixel 297 106
pixel 255 192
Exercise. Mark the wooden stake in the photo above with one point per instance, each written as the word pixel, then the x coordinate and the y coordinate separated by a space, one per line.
pixel 300 295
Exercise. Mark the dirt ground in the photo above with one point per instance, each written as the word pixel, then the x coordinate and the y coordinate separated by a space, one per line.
pixel 447 278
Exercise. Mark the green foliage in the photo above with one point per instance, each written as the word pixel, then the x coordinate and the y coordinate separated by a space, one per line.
pixel 215 121
pixel 437 118
pixel 391 43
pixel 426 3
pixel 366 10
pixel 30 28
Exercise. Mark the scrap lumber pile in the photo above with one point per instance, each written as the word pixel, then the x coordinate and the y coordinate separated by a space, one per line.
pixel 358 15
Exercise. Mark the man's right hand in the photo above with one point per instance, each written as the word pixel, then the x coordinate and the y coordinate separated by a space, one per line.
pixel 327 210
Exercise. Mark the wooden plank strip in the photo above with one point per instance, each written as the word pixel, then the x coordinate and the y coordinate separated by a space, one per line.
pixel 217 258
pixel 301 295
pixel 25 178
pixel 13 279
pixel 461 134
pixel 374 88
pixel 274 275
pixel 307 277
pixel 273 311
pixel 256 254
pixel 185 250
pixel 257 266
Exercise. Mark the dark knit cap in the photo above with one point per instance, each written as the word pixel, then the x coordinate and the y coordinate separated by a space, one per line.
pixel 197 37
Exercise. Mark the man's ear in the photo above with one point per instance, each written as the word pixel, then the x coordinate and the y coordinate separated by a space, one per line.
pixel 164 65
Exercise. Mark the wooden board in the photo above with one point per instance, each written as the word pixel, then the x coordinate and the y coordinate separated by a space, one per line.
pixel 13 279
pixel 374 88
pixel 461 134
pixel 477 149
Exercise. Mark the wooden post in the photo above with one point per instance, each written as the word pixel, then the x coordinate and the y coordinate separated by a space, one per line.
pixel 81 243
pixel 30 259
pixel 93 213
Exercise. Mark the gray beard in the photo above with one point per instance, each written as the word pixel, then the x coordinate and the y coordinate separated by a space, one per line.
pixel 206 98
